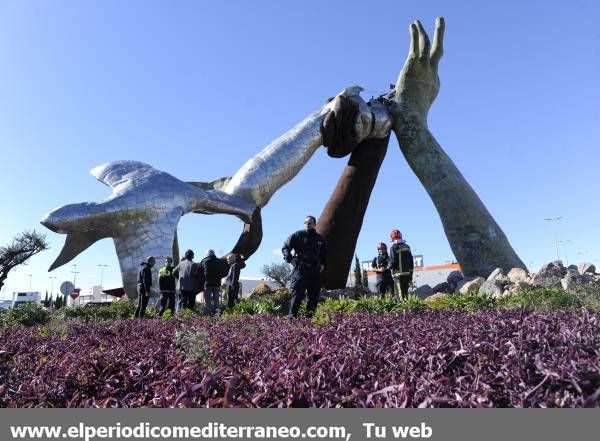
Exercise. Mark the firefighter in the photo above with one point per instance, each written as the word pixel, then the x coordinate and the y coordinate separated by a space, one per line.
pixel 381 266
pixel 401 263
pixel 308 261
pixel 166 285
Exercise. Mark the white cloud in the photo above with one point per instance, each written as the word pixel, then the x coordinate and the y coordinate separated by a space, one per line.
pixel 277 252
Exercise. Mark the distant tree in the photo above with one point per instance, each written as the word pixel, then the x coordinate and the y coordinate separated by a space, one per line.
pixel 22 247
pixel 365 279
pixel 280 273
pixel 58 303
pixel 46 300
pixel 357 272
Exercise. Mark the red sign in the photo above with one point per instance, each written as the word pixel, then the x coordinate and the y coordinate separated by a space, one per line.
pixel 75 293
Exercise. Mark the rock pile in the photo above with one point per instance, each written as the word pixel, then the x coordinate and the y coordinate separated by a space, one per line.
pixel 501 283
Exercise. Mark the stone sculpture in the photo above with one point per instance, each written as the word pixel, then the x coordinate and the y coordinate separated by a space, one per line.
pixel 474 236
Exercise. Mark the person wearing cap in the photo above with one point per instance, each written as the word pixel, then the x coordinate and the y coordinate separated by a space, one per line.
pixel 166 285
pixel 144 283
pixel 185 274
pixel 212 270
pixel 308 260
pixel 401 263
pixel 381 266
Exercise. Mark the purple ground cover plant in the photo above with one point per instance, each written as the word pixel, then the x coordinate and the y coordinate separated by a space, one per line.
pixel 492 358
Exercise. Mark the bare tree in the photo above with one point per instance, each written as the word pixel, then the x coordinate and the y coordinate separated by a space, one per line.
pixel 22 247
pixel 280 273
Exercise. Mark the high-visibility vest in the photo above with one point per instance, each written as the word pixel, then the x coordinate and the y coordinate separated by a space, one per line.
pixel 164 272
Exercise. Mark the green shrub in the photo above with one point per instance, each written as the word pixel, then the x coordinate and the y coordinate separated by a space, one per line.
pixel 464 302
pixel 195 343
pixel 26 314
pixel 543 299
pixel 122 309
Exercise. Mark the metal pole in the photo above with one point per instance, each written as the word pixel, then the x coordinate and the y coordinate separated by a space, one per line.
pixel 564 242
pixel 29 282
pixel 553 220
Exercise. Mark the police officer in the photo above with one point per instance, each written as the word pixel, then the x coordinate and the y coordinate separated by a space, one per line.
pixel 166 284
pixel 381 266
pixel 401 263
pixel 308 261
pixel 144 283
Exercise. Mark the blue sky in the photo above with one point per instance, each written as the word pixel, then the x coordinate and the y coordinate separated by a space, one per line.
pixel 196 88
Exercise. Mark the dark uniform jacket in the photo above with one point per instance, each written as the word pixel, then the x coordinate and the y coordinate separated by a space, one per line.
pixel 166 279
pixel 144 278
pixel 382 262
pixel 401 259
pixel 309 250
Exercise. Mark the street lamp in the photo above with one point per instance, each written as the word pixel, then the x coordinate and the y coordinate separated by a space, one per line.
pixel 29 275
pixel 52 291
pixel 75 272
pixel 102 266
pixel 553 220
pixel 564 242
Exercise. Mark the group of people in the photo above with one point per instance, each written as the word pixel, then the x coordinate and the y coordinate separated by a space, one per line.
pixel 394 270
pixel 188 279
pixel 305 250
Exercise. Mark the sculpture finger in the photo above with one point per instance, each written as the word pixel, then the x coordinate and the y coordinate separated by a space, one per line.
pixel 424 44
pixel 437 50
pixel 413 50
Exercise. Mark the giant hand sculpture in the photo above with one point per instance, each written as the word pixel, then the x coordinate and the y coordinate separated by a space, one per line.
pixel 474 236
pixel 144 209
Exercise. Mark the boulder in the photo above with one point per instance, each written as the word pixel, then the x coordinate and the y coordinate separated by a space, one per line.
pixel 441 287
pixel 262 289
pixel 437 295
pixel 510 290
pixel 453 279
pixel 472 286
pixel 549 274
pixel 586 268
pixel 517 275
pixel 492 288
pixel 498 272
pixel 423 291
pixel 572 280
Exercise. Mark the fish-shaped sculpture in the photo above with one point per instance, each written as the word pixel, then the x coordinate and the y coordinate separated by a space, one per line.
pixel 141 215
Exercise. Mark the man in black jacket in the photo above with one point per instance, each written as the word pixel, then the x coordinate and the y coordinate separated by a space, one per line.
pixel 232 281
pixel 401 263
pixel 166 285
pixel 144 283
pixel 212 270
pixel 308 260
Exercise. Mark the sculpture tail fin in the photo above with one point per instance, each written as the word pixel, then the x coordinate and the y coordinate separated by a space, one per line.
pixel 75 244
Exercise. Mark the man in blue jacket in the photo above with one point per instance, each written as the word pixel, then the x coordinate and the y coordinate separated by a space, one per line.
pixel 144 283
pixel 308 260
